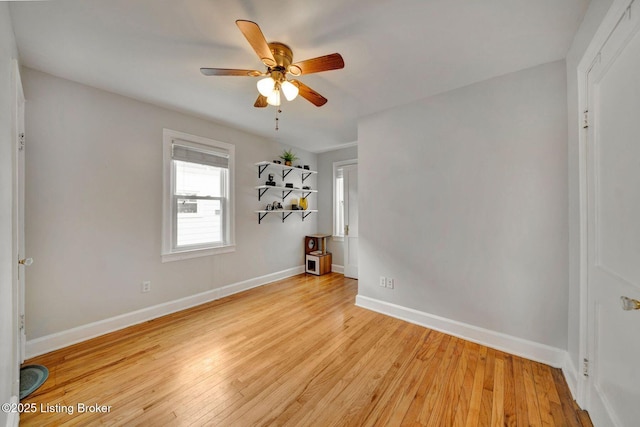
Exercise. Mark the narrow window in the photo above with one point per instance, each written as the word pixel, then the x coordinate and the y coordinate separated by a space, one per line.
pixel 338 198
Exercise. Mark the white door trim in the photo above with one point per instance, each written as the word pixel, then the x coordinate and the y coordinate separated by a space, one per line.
pixel 18 339
pixel 616 13
pixel 350 242
pixel 19 177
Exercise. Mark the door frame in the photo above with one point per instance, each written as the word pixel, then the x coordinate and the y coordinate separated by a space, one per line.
pixel 17 300
pixel 19 197
pixel 349 272
pixel 617 11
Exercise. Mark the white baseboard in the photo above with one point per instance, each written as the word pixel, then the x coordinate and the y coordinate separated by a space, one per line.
pixel 571 375
pixel 503 342
pixel 337 268
pixel 13 418
pixel 42 345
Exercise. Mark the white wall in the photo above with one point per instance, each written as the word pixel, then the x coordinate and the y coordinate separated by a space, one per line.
pixel 463 200
pixel 8 365
pixel 592 19
pixel 93 208
pixel 325 197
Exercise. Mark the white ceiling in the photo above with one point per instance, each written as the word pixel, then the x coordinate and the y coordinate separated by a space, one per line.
pixel 395 52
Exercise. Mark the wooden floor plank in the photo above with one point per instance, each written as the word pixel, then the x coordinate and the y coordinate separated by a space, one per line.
pixel 522 411
pixel 486 404
pixel 476 391
pixel 533 407
pixel 464 398
pixel 509 393
pixel 295 352
pixel 497 410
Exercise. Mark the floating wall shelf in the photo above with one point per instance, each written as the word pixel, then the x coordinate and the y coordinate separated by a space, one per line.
pixel 285 213
pixel 285 191
pixel 284 171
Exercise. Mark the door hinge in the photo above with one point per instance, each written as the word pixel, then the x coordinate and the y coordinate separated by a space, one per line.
pixel 585 123
pixel 346 230
pixel 585 367
pixel 21 321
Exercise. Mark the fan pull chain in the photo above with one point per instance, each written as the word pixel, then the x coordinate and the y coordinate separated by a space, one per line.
pixel 278 110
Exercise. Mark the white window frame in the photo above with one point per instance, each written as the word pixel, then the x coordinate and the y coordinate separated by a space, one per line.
pixel 339 237
pixel 169 214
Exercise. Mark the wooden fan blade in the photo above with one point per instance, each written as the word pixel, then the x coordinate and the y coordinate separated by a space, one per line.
pixel 309 94
pixel 261 102
pixel 230 72
pixel 256 39
pixel 316 65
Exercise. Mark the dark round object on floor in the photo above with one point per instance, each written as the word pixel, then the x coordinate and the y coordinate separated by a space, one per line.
pixel 31 378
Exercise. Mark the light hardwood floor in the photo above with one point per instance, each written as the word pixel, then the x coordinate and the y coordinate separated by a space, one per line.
pixel 295 352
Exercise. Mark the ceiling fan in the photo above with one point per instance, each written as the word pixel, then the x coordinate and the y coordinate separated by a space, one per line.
pixel 278 58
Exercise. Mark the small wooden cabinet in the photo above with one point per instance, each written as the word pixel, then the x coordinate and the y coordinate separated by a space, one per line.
pixel 318 264
pixel 317 259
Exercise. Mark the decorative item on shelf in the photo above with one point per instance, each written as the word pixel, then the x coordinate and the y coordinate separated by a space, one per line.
pixel 299 167
pixel 289 185
pixel 294 207
pixel 294 204
pixel 306 187
pixel 288 156
pixel 270 182
pixel 303 203
pixel 305 167
pixel 277 161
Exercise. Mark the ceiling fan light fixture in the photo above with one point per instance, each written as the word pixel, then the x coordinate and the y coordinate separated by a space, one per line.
pixel 266 86
pixel 274 98
pixel 290 90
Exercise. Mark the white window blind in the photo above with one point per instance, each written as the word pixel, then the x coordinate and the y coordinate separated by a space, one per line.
pixel 190 154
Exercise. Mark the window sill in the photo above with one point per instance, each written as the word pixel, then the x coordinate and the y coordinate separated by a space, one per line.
pixel 196 253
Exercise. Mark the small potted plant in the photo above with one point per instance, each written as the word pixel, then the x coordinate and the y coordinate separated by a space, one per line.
pixel 289 157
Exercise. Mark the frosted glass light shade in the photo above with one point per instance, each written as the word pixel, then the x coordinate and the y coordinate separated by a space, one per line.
pixel 265 86
pixel 274 98
pixel 290 90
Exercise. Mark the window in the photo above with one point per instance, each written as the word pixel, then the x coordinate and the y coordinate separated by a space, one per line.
pixel 339 204
pixel 198 209
pixel 338 198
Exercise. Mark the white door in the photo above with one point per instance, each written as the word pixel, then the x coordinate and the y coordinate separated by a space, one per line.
pixel 350 180
pixel 613 227
pixel 19 234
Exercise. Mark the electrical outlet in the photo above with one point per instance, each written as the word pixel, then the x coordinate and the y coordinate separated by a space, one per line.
pixel 146 286
pixel 383 281
pixel 390 282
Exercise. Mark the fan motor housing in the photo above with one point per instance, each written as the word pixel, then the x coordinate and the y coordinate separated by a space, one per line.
pixel 282 54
